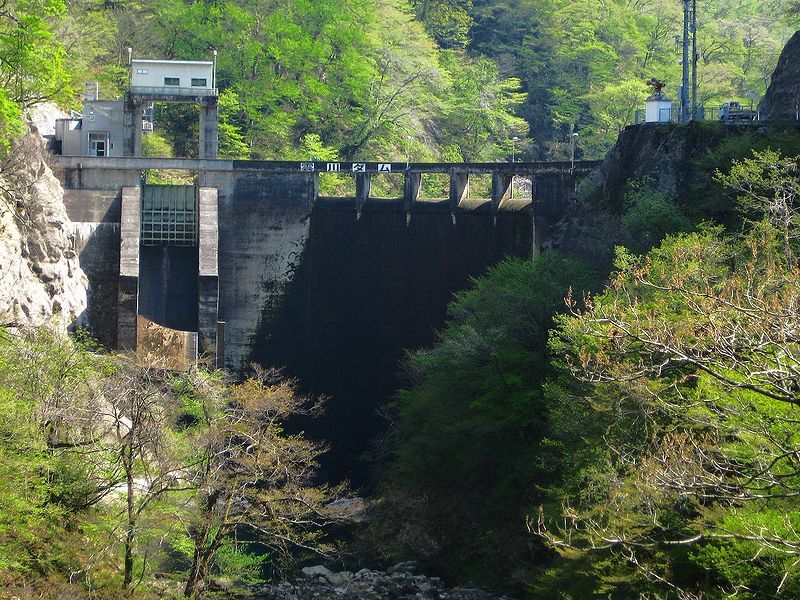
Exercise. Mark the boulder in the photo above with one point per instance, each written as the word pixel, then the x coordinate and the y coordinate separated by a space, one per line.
pixel 783 94
pixel 315 571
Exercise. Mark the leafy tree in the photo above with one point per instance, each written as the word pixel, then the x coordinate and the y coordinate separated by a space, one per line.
pixel 31 59
pixel 480 109
pixel 768 188
pixel 691 349
pixel 649 217
pixel 156 146
pixel 32 66
pixel 448 21
pixel 614 108
pixel 108 469
pixel 469 426
pixel 232 123
pixel 246 474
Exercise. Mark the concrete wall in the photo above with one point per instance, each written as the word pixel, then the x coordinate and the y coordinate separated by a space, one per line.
pixel 94 222
pixel 363 290
pixel 334 289
pixel 103 116
pixel 157 70
pixel 68 133
pixel 263 228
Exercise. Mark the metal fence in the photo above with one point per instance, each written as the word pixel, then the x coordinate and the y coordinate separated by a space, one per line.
pixel 703 113
pixel 169 215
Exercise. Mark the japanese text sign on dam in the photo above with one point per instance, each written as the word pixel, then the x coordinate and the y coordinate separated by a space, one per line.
pixel 351 167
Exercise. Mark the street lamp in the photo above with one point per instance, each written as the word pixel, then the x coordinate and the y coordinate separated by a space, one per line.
pixel 214 72
pixel 408 152
pixel 574 141
pixel 514 141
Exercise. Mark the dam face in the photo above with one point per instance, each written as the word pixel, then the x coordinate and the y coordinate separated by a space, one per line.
pixel 365 291
pixel 333 290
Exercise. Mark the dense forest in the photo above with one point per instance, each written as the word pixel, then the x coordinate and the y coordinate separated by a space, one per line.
pixel 628 430
pixel 637 438
pixel 435 79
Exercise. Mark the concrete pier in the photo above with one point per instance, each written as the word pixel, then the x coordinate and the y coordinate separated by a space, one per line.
pixel 208 274
pixel 128 298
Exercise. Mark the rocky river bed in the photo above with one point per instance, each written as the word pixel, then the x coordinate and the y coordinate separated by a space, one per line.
pixel 400 582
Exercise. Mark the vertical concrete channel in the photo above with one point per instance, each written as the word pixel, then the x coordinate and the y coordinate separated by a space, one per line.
pixel 168 298
pixel 209 343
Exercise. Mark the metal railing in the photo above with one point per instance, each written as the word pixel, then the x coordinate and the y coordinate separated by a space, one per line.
pixel 704 113
pixel 170 90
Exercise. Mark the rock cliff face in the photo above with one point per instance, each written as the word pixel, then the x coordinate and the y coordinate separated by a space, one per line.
pixel 661 153
pixel 41 281
pixel 677 160
pixel 783 95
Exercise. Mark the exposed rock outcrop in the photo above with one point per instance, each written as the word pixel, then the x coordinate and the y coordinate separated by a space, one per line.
pixel 657 151
pixel 41 281
pixel 399 582
pixel 675 160
pixel 783 95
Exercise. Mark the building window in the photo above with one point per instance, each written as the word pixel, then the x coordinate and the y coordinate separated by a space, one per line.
pixel 172 81
pixel 198 82
pixel 141 71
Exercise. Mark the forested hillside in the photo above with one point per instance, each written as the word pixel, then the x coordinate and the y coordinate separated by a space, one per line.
pixel 633 438
pixel 435 79
pixel 579 428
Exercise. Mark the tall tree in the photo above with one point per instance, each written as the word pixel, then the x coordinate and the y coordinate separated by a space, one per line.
pixel 693 350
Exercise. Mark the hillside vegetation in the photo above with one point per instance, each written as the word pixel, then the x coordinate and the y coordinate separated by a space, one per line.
pixel 434 79
pixel 633 437
pixel 120 480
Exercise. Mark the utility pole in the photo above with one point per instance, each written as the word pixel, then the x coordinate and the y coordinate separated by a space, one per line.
pixel 694 59
pixel 685 81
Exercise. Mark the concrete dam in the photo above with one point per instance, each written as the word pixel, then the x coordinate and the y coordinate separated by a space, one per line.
pixel 253 264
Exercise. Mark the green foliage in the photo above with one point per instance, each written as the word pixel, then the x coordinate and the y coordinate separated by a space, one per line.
pixel 708 198
pixel 32 61
pixel 82 433
pixel 583 63
pixel 364 74
pixel 11 125
pixel 470 428
pixel 232 119
pixel 613 108
pixel 156 146
pixel 480 108
pixel 37 375
pixel 684 359
pixel 448 21
pixel 649 217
